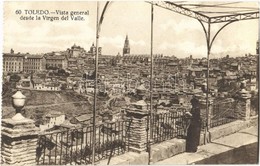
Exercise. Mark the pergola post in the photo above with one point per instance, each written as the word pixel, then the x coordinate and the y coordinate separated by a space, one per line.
pixel 98 28
pixel 209 43
pixel 149 125
pixel 207 92
pixel 95 88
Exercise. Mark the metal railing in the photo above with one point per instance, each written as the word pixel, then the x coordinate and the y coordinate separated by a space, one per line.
pixel 166 126
pixel 74 146
pixel 223 113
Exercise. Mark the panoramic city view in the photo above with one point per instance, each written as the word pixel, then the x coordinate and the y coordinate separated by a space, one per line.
pixel 130 83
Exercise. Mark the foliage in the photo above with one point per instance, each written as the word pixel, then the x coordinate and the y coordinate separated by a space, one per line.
pixel 63 86
pixel 62 72
pixel 6 88
pixel 102 94
pixel 52 68
pixel 38 117
pixel 15 78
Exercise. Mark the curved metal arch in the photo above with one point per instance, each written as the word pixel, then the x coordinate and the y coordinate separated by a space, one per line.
pixel 210 45
pixel 207 34
pixel 102 15
pixel 205 31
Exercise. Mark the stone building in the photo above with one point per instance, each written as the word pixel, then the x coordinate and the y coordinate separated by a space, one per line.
pixel 92 50
pixel 33 63
pixel 83 120
pixel 128 58
pixel 56 61
pixel 13 62
pixel 16 63
pixel 52 119
pixel 76 51
pixel 135 59
pixel 25 83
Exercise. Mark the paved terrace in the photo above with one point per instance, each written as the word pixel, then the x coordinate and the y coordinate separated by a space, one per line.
pixel 217 151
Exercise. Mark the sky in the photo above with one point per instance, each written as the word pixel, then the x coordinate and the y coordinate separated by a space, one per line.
pixel 174 34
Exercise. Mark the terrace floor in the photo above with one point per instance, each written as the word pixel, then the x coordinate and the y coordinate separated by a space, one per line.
pixel 238 148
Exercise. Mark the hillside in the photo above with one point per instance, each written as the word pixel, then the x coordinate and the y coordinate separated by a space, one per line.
pixel 34 98
pixel 67 102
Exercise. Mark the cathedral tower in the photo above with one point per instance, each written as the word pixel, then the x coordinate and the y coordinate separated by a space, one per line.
pixel 126 49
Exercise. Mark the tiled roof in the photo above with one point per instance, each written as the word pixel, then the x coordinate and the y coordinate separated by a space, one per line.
pixel 13 55
pixel 54 114
pixel 83 117
pixel 141 87
pixel 33 56
pixel 55 57
pixel 37 81
pixel 140 102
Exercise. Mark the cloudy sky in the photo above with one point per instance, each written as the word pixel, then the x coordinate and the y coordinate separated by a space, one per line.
pixel 174 34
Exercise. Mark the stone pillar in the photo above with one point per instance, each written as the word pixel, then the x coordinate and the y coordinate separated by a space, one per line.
pixel 137 113
pixel 19 141
pixel 254 103
pixel 203 109
pixel 242 110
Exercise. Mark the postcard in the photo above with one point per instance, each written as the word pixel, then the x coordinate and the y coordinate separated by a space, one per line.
pixel 130 82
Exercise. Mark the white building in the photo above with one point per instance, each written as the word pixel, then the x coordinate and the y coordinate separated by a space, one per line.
pixel 53 119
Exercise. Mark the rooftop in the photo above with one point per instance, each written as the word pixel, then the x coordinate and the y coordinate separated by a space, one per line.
pixel 83 117
pixel 30 56
pixel 58 57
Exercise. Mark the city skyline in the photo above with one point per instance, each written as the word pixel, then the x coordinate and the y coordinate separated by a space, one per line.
pixel 120 20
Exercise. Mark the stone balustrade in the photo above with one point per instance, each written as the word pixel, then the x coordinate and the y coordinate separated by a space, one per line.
pixel 19 141
pixel 138 114
pixel 242 110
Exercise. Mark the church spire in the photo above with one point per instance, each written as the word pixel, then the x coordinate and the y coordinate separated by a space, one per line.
pixel 126 49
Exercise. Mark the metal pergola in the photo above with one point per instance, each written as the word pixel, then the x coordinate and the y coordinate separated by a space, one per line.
pixel 207 13
pixel 212 12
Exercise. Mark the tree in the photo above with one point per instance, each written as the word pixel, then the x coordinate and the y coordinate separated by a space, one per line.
pixel 38 117
pixel 63 86
pixel 5 88
pixel 92 76
pixel 15 78
pixel 84 76
pixel 61 72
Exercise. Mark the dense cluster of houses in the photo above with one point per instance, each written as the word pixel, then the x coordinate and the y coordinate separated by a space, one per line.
pixel 174 81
